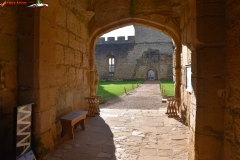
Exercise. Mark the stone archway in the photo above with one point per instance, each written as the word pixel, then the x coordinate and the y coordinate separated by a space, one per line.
pixel 161 23
pixel 151 75
pixel 159 19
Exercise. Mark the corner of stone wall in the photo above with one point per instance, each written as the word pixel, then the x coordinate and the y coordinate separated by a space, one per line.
pixel 44 143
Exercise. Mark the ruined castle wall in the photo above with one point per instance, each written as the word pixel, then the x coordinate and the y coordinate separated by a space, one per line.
pixel 130 61
pixel 232 92
pixel 121 53
pixel 162 65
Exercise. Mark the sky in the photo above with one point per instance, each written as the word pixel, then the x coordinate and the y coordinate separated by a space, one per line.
pixel 125 31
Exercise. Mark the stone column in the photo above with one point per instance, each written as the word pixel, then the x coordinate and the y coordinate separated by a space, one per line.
pixel 177 53
pixel 208 63
pixel 36 74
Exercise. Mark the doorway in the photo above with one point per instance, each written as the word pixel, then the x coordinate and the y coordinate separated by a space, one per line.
pixel 151 75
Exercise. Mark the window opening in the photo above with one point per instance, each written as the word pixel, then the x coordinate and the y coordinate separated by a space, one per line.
pixel 111 66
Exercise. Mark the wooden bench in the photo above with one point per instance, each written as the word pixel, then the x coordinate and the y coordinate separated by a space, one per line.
pixel 72 120
pixel 97 99
pixel 172 109
pixel 93 105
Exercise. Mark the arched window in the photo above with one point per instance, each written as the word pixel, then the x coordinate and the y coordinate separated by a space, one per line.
pixel 111 65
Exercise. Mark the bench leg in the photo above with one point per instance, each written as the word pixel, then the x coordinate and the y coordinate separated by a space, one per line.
pixel 70 131
pixel 82 123
pixel 67 127
pixel 76 125
pixel 64 128
pixel 91 112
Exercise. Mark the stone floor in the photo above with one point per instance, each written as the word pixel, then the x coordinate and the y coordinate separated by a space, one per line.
pixel 128 133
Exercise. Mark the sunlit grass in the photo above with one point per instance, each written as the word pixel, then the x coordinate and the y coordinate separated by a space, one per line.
pixel 168 86
pixel 114 89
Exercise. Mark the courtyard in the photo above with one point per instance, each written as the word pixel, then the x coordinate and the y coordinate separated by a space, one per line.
pixel 128 128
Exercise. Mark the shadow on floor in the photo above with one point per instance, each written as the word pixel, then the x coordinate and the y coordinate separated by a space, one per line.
pixel 95 143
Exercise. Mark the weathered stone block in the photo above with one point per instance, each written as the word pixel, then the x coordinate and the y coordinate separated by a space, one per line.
pixel 46 72
pixel 43 120
pixel 61 15
pixel 9 101
pixel 213 149
pixel 44 144
pixel 47 31
pixel 213 60
pixel 69 99
pixel 202 92
pixel 62 36
pixel 25 52
pixel 73 23
pixel 77 100
pixel 85 77
pixel 9 19
pixel 47 51
pixel 85 61
pixel 9 76
pixel 74 41
pixel 71 77
pixel 59 49
pixel 84 30
pixel 229 149
pixel 9 47
pixel 214 8
pixel 209 117
pixel 61 75
pixel 210 29
pixel 78 58
pixel 79 75
pixel 44 98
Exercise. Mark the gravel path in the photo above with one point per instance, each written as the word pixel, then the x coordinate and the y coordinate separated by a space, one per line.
pixel 146 96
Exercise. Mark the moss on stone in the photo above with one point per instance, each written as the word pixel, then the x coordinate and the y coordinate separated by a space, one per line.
pixel 42 151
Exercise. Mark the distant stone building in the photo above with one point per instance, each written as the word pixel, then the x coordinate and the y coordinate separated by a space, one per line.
pixel 147 55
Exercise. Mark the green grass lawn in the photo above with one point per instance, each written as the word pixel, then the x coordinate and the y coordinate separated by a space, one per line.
pixel 168 86
pixel 113 89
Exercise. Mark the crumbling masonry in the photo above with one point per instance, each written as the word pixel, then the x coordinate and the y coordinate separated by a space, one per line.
pixel 149 50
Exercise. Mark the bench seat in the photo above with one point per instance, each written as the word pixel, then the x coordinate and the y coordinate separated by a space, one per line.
pixel 71 121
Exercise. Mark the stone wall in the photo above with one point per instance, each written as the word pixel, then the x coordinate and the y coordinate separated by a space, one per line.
pixel 54 69
pixel 232 92
pixel 63 69
pixel 8 75
pixel 203 39
pixel 148 49
pixel 188 99
pixel 47 57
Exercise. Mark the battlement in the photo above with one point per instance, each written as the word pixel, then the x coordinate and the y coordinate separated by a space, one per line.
pixel 111 40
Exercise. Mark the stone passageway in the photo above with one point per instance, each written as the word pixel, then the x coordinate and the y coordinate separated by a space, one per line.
pixel 132 127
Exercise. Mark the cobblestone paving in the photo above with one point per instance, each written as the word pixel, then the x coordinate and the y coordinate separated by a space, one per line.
pixel 128 134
